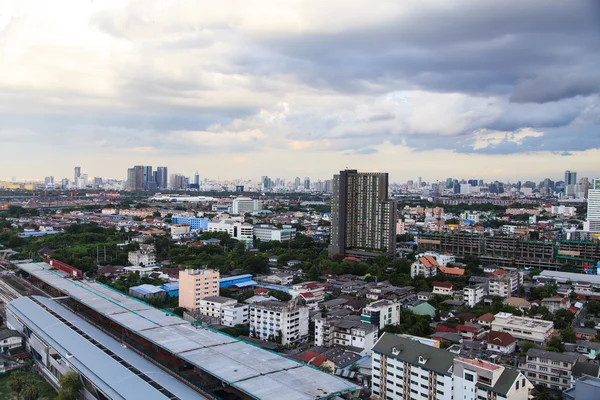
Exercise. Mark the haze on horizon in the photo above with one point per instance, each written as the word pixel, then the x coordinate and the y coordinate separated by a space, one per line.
pixel 495 89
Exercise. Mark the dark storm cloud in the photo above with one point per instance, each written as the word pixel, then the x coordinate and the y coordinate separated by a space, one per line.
pixel 490 47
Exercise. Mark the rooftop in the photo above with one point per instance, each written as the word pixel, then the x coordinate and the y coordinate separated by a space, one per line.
pixel 478 363
pixel 92 357
pixel 549 355
pixel 259 373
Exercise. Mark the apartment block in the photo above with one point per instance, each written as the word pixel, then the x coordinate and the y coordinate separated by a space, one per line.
pixel 195 285
pixel 145 256
pixel 553 370
pixel 285 323
pixel 224 310
pixel 405 368
pixel 504 283
pixel 536 330
pixel 381 313
pixel 236 230
pixel 268 233
pixel 345 332
pixel 473 294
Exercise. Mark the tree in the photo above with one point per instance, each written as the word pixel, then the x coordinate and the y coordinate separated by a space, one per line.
pixel 280 295
pixel 524 348
pixel 563 319
pixel 556 345
pixel 16 383
pixel 568 335
pixel 326 368
pixel 593 307
pixel 70 386
pixel 31 393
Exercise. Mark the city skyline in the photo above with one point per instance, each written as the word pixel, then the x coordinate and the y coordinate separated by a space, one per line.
pixel 501 88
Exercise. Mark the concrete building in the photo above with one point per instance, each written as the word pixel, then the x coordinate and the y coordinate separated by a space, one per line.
pixel 592 223
pixel 196 224
pixel 442 259
pixel 268 233
pixel 10 339
pixel 500 342
pixel 196 284
pixel 504 283
pixel 145 256
pixel 285 323
pixel 363 220
pixel 224 310
pixel 405 368
pixel 147 292
pixel 473 294
pixel 61 341
pixel 553 370
pixel 243 205
pixel 381 313
pixel 443 288
pixel 531 329
pixel 425 266
pixel 586 387
pixel 553 304
pixel 236 230
pixel 179 230
pixel 345 332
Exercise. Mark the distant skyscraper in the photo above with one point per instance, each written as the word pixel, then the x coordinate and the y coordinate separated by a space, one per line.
pixel 161 177
pixel 297 182
pixel 197 178
pixel 307 183
pixel 49 182
pixel 135 177
pixel 76 174
pixel 593 209
pixel 449 183
pixel 570 178
pixel 363 220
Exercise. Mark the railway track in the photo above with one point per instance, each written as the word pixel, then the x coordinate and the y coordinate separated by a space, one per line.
pixel 7 292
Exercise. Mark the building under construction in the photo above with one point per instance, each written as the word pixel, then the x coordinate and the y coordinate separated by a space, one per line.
pixel 513 251
pixel 214 364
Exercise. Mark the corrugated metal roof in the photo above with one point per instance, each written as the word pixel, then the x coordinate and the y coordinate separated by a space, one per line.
pixel 240 364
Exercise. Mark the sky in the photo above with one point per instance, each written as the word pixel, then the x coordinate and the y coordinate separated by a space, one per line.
pixel 495 90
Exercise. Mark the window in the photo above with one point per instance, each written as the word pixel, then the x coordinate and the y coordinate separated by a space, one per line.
pixel 517 385
pixel 553 379
pixel 469 377
pixel 543 368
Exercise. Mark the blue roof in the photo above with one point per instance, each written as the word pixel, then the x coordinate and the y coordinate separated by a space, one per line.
pixel 244 284
pixel 170 286
pixel 233 278
pixel 146 289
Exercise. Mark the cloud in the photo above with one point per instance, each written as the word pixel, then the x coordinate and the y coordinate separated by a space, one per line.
pixel 175 79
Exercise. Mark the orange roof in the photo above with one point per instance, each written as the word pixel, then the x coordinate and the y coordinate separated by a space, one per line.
pixel 452 271
pixel 428 261
pixel 311 358
pixel 446 285
pixel 489 317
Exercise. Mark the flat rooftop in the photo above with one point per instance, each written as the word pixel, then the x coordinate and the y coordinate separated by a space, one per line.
pixel 88 356
pixel 522 322
pixel 259 373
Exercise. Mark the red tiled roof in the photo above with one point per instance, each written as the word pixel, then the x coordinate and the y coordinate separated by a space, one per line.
pixel 499 338
pixel 261 290
pixel 428 261
pixel 489 317
pixel 311 358
pixel 573 309
pixel 447 285
pixel 467 328
pixel 306 294
pixel 445 328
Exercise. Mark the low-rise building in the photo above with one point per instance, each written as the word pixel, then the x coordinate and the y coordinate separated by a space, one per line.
pixel 443 288
pixel 195 224
pixel 10 339
pixel 196 284
pixel 345 332
pixel 553 304
pixel 550 369
pixel 270 233
pixel 535 330
pixel 517 302
pixel 178 230
pixel 473 294
pixel 285 323
pixel 224 310
pixel 586 387
pixel 381 313
pixel 236 230
pixel 145 256
pixel 147 291
pixel 425 266
pixel 499 342
pixel 504 283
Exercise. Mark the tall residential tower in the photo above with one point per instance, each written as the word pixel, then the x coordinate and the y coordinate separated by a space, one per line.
pixel 363 220
pixel 593 209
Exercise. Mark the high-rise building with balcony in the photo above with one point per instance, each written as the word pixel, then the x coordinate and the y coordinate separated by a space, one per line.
pixel 195 285
pixel 592 224
pixel 363 219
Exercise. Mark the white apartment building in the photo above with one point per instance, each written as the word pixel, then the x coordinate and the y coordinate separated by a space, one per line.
pixel 553 304
pixel 179 229
pixel 224 310
pixel 10 339
pixel 404 368
pixel 426 266
pixel 381 313
pixel 504 283
pixel 268 233
pixel 277 279
pixel 536 330
pixel 236 230
pixel 145 256
pixel 345 332
pixel 279 321
pixel 243 205
pixel 592 224
pixel 442 259
pixel 314 288
pixel 443 288
pixel 553 370
pixel 473 294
